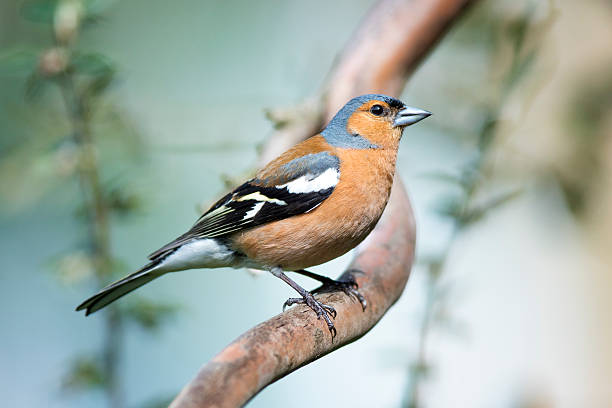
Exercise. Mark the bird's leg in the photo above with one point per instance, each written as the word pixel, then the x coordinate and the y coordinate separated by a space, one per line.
pixel 322 310
pixel 347 285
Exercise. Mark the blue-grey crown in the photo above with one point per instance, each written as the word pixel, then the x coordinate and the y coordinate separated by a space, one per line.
pixel 336 134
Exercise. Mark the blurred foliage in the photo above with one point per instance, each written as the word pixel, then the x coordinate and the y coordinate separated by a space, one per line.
pixel 73 268
pixel 18 62
pixel 58 13
pixel 51 156
pixel 147 314
pixel 86 372
pixel 80 135
pixel 523 33
pixel 587 120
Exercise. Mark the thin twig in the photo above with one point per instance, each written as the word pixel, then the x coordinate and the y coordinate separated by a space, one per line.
pixel 99 228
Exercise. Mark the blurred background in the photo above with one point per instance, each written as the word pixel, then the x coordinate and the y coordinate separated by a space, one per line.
pixel 120 120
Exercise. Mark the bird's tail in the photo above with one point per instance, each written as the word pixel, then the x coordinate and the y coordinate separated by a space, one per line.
pixel 119 288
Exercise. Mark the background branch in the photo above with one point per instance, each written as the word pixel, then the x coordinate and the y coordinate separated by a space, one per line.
pixel 390 42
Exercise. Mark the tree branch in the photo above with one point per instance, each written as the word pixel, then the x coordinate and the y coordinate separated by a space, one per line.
pixel 388 45
pixel 295 338
pixel 385 49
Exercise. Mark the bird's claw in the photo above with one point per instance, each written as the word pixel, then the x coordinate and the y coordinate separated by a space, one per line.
pixel 321 310
pixel 347 285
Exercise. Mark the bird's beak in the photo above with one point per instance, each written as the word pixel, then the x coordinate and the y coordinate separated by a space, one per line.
pixel 409 116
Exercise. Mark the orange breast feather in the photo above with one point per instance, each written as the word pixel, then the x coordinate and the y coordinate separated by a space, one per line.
pixel 341 222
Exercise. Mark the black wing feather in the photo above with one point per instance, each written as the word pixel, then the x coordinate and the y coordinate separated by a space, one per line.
pixel 276 202
pixel 228 214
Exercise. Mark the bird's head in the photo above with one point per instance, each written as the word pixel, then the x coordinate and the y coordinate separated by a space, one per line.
pixel 371 121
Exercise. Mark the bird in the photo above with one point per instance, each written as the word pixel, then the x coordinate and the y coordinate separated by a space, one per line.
pixel 313 203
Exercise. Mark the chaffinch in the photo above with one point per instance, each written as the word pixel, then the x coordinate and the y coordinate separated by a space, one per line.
pixel 310 205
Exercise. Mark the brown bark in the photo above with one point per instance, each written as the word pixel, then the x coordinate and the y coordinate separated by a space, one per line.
pixel 386 48
pixel 294 338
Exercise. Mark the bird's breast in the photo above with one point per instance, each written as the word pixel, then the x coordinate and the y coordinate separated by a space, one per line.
pixel 333 228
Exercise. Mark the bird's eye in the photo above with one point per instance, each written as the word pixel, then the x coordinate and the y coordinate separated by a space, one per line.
pixel 377 110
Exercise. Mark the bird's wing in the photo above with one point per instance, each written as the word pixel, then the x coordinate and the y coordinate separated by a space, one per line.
pixel 295 187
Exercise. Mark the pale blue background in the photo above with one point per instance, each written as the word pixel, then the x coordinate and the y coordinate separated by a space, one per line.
pixel 195 78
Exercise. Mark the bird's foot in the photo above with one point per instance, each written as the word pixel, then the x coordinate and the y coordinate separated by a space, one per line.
pixel 348 285
pixel 321 309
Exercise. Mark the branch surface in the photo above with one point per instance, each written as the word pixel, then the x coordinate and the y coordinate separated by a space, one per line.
pixel 389 43
pixel 295 338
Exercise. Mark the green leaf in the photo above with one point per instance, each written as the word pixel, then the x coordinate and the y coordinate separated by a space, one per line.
pixel 34 86
pixel 574 194
pixel 419 369
pixel 39 11
pixel 487 133
pixel 99 84
pixel 74 267
pixel 520 68
pixel 18 62
pixel 451 207
pixel 476 214
pixel 93 64
pixel 99 68
pixel 93 8
pixel 519 28
pixel 86 372
pixel 147 314
pixel 122 203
